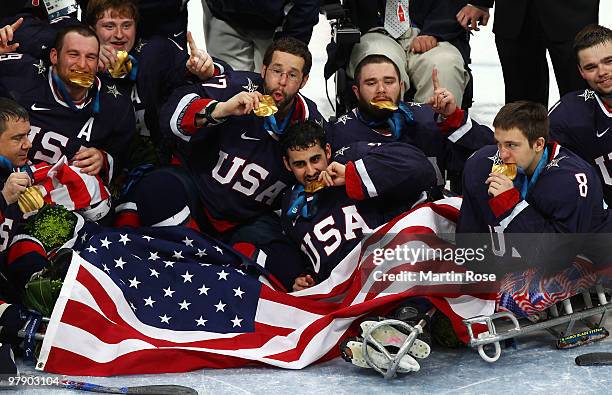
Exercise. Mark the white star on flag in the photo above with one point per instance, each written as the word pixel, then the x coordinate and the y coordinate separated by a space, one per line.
pixel 236 321
pixel 120 262
pixel 219 249
pixel 134 283
pixel 177 255
pixel 186 276
pixel 188 242
pixel 153 256
pixel 220 306
pixel 106 243
pixel 201 321
pixel 147 238
pixel 168 291
pixel 124 239
pixel 201 253
pixel 165 318
pixel 184 305
pixel 223 275
pixel 238 292
pixel 154 273
pixel 149 301
pixel 169 263
pixel 203 289
pixel 92 249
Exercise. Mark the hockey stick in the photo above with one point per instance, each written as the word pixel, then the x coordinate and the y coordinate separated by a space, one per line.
pixel 594 359
pixel 145 389
pixel 19 382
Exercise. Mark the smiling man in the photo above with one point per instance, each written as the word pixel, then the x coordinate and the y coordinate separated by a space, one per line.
pixel 71 112
pixel 555 192
pixel 582 121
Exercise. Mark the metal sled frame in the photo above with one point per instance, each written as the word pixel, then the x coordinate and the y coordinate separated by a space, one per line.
pixel 491 336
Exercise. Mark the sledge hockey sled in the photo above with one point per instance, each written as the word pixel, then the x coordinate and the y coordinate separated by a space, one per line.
pixel 565 338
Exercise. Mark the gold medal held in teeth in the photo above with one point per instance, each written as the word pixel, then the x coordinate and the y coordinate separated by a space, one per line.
pixel 384 105
pixel 508 169
pixel 81 78
pixel 122 66
pixel 267 106
pixel 30 200
pixel 314 186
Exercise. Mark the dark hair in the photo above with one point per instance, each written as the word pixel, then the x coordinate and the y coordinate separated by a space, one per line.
pixel 97 8
pixel 529 117
pixel 591 36
pixel 82 30
pixel 303 135
pixel 374 59
pixel 294 47
pixel 11 110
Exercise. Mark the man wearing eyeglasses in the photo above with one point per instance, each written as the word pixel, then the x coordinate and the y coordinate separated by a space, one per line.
pixel 231 171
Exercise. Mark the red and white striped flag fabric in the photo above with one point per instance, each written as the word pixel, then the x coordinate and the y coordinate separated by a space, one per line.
pixel 66 185
pixel 131 302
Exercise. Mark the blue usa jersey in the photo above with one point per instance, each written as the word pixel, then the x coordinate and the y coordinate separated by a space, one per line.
pixel 447 145
pixel 565 199
pixel 581 122
pixel 237 164
pixel 56 128
pixel 382 181
pixel 10 217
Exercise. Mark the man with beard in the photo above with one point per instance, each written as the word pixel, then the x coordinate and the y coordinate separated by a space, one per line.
pixel 581 121
pixel 231 171
pixel 440 129
pixel 72 113
pixel 367 186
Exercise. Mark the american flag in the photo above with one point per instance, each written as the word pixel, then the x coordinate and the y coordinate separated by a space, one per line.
pixel 155 300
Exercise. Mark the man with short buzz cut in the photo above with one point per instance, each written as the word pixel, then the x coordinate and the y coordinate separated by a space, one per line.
pixel 582 120
pixel 72 113
pixel 537 187
pixel 444 132
pixel 14 147
pixel 364 187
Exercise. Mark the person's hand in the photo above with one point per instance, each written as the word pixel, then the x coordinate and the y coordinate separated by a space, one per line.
pixel 14 185
pixel 334 175
pixel 443 101
pixel 6 36
pixel 422 44
pixel 107 57
pixel 240 104
pixel 200 63
pixel 303 282
pixel 498 184
pixel 471 17
pixel 89 160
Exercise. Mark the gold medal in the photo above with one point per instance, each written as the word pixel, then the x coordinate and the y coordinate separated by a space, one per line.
pixel 508 169
pixel 30 200
pixel 122 66
pixel 314 186
pixel 82 79
pixel 267 106
pixel 384 105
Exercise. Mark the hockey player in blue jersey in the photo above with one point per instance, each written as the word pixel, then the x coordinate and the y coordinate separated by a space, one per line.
pixel 554 197
pixel 72 113
pixel 366 185
pixel 440 129
pixel 582 121
pixel 231 170
pixel 157 65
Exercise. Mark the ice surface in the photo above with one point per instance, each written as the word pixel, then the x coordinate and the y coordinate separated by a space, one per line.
pixel 534 367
